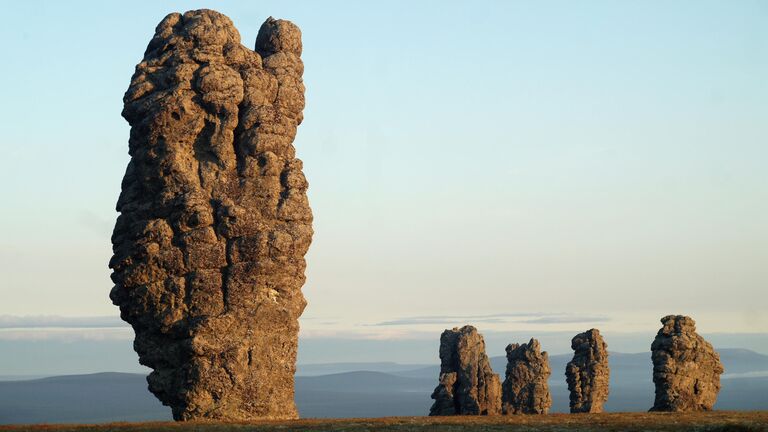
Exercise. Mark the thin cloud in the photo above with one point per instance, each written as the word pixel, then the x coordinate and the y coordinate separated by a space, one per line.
pixel 52 321
pixel 481 316
pixel 425 321
pixel 498 318
pixel 567 319
pixel 66 334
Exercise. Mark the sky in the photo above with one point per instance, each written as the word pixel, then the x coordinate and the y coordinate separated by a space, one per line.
pixel 532 168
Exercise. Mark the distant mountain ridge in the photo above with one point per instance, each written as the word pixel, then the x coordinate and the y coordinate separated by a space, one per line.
pixel 311 369
pixel 402 391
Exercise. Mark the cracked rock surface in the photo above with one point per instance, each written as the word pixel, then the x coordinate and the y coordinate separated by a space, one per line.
pixel 467 384
pixel 686 369
pixel 525 389
pixel 214 220
pixel 588 373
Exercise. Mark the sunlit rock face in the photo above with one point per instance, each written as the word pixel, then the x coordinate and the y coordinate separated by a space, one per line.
pixel 686 369
pixel 214 220
pixel 588 373
pixel 467 383
pixel 525 389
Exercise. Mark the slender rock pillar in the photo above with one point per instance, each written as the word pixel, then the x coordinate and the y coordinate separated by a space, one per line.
pixel 588 373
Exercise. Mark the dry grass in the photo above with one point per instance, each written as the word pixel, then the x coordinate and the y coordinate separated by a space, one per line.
pixel 718 421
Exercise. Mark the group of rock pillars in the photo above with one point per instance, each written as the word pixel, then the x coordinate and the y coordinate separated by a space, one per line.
pixel 686 372
pixel 214 224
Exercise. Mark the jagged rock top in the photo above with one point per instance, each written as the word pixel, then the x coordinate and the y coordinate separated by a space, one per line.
pixel 209 247
pixel 467 384
pixel 525 389
pixel 686 368
pixel 677 325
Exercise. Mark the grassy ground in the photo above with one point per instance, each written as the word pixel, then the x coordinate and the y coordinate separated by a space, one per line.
pixel 720 421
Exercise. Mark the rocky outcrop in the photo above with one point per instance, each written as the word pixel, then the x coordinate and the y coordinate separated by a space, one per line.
pixel 686 369
pixel 525 389
pixel 214 220
pixel 588 374
pixel 467 385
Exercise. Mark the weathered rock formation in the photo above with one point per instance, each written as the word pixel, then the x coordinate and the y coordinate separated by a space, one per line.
pixel 214 219
pixel 686 369
pixel 467 385
pixel 588 373
pixel 525 389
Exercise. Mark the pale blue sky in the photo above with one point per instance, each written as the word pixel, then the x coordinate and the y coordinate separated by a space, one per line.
pixel 601 161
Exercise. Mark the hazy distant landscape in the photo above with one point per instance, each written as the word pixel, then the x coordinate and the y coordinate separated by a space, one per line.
pixel 347 390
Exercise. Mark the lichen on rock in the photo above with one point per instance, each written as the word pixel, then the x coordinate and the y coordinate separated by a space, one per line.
pixel 525 389
pixel 214 220
pixel 467 383
pixel 588 374
pixel 686 369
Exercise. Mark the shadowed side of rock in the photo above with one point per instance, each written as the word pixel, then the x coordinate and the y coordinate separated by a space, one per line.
pixel 525 389
pixel 686 368
pixel 214 220
pixel 588 373
pixel 467 383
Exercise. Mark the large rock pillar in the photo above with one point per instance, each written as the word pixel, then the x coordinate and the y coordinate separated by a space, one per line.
pixel 214 220
pixel 588 373
pixel 686 369
pixel 467 385
pixel 525 389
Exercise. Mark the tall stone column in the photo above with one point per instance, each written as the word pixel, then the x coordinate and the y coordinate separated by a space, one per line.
pixel 214 220
pixel 588 373
pixel 525 389
pixel 686 369
pixel 467 385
